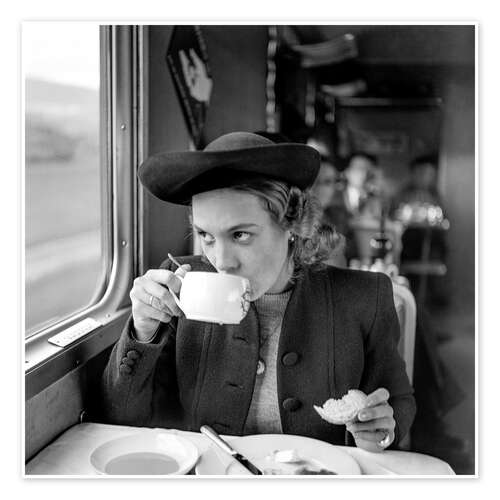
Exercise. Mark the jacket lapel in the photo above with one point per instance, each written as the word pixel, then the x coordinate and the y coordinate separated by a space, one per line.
pixel 308 331
pixel 349 348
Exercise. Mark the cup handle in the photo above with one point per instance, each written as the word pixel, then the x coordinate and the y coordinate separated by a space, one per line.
pixel 174 296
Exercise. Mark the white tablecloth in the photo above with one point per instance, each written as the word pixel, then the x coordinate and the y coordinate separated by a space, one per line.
pixel 69 454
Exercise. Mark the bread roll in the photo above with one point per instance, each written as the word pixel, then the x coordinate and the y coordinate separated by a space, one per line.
pixel 342 411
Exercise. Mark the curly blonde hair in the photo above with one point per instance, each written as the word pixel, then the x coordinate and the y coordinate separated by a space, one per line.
pixel 312 242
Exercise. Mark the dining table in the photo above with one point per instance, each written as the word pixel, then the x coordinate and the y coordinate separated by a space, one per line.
pixel 69 454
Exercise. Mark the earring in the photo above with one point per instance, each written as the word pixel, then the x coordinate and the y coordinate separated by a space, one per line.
pixel 292 238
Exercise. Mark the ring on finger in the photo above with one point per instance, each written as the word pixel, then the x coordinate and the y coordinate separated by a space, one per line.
pixel 151 298
pixel 383 443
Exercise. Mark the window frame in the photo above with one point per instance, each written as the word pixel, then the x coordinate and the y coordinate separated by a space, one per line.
pixel 45 363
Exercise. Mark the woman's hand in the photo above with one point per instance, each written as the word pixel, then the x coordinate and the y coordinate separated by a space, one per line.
pixel 152 302
pixel 374 428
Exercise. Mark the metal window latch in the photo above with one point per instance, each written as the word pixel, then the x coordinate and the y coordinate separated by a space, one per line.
pixel 75 332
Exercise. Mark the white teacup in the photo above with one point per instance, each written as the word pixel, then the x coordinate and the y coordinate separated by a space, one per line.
pixel 214 297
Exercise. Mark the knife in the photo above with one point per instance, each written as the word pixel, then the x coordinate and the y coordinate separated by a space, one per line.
pixel 210 433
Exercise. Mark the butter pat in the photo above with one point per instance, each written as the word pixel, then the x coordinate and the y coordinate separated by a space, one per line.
pixel 285 456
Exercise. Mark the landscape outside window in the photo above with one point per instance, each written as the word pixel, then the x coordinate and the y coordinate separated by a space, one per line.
pixel 63 222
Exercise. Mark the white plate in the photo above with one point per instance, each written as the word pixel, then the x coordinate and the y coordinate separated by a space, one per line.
pixel 256 448
pixel 145 453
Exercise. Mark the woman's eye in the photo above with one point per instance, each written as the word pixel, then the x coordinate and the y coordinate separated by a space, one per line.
pixel 241 236
pixel 205 237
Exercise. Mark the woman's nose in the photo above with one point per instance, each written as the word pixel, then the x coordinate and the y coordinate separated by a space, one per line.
pixel 225 259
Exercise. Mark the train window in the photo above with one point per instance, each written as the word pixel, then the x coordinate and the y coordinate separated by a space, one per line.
pixel 83 143
pixel 65 226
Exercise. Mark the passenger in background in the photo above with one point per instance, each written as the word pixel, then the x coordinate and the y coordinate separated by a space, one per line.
pixel 335 215
pixel 422 186
pixel 324 185
pixel 365 201
pixel 364 193
pixel 419 207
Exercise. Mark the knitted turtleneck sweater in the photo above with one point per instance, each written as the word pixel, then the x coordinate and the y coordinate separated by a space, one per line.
pixel 264 414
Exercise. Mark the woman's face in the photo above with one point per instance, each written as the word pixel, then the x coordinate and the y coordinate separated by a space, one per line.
pixel 238 236
pixel 324 187
pixel 358 171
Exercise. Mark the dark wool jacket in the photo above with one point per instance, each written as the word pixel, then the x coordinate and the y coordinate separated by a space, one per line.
pixel 340 331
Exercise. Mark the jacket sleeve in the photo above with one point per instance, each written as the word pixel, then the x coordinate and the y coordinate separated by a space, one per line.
pixel 130 378
pixel 139 383
pixel 384 366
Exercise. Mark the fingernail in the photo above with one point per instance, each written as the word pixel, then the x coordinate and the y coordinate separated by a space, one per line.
pixel 363 415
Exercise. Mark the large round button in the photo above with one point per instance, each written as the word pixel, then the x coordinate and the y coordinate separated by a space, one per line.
pixel 290 358
pixel 128 361
pixel 291 404
pixel 132 354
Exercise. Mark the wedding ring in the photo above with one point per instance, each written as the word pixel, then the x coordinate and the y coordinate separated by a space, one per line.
pixel 383 443
pixel 151 298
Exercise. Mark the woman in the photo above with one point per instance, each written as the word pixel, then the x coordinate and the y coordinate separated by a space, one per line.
pixel 313 332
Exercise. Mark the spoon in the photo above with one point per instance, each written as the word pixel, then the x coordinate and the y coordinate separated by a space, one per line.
pixel 176 262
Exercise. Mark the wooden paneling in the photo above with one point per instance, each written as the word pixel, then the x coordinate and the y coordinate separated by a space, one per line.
pixel 238 57
pixel 52 411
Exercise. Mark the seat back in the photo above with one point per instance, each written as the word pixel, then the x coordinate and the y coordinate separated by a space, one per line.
pixel 406 310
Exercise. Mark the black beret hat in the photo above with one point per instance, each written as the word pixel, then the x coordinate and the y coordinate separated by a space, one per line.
pixel 231 159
